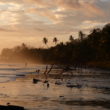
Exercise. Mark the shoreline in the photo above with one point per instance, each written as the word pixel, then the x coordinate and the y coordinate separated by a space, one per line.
pixel 23 90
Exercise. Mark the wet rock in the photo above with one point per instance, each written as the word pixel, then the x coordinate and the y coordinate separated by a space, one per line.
pixel 48 85
pixel 35 81
pixel 11 107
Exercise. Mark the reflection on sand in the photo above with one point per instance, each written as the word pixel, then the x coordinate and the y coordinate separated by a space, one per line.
pixel 93 94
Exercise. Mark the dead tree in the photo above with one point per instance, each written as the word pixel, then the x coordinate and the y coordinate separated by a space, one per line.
pixel 47 71
pixel 66 69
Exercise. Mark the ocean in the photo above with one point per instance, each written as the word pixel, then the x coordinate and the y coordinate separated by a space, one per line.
pixel 90 88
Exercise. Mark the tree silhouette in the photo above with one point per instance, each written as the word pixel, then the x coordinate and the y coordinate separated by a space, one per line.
pixel 45 41
pixel 55 40
pixel 81 35
pixel 92 50
pixel 71 38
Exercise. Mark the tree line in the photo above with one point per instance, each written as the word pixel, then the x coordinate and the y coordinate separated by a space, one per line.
pixel 93 49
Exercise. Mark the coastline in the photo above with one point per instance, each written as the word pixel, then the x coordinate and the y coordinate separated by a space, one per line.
pixel 81 90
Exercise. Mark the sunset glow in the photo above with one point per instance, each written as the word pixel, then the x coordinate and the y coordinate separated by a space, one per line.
pixel 29 21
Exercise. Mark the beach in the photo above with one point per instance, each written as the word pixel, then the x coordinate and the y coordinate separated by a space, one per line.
pixel 90 88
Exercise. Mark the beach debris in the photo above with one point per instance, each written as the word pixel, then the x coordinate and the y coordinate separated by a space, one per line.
pixel 35 81
pixel 58 82
pixel 47 71
pixel 48 85
pixel 37 71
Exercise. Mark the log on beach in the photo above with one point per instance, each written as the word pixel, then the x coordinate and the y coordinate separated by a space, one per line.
pixel 11 107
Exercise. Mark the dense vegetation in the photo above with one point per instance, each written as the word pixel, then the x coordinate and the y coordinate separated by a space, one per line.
pixel 92 49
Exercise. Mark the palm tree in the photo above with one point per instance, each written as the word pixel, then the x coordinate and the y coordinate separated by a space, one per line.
pixel 71 38
pixel 55 40
pixel 81 35
pixel 45 41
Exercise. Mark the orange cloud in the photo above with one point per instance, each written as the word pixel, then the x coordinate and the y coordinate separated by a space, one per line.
pixel 87 7
pixel 49 14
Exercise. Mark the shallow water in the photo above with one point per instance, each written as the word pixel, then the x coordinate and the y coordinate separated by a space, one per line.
pixel 92 94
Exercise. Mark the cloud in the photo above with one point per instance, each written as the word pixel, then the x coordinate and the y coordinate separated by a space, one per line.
pixel 87 8
pixel 84 6
pixel 30 20
pixel 53 11
pixel 50 15
pixel 87 25
pixel 9 18
pixel 5 30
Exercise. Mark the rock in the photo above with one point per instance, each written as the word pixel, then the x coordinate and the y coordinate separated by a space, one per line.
pixel 11 107
pixel 36 81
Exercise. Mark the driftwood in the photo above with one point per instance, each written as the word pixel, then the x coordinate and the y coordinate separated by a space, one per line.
pixel 47 71
pixel 66 69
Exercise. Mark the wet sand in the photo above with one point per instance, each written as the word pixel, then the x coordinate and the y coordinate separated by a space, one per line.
pixel 92 94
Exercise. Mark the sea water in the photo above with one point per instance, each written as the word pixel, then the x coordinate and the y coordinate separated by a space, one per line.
pixel 92 94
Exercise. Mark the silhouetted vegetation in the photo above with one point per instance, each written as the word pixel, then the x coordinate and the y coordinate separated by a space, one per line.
pixel 45 41
pixel 92 49
pixel 55 40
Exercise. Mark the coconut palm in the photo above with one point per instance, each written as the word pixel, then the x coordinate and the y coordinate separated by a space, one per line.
pixel 45 41
pixel 71 38
pixel 81 35
pixel 55 40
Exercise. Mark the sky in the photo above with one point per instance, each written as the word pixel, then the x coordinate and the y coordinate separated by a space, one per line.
pixel 28 21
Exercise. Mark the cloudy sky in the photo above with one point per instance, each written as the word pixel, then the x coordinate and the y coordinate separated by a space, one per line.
pixel 29 21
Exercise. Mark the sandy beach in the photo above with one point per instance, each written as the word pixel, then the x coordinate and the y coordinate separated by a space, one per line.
pixel 90 90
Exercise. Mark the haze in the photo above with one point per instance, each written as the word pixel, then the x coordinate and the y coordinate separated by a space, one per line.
pixel 29 21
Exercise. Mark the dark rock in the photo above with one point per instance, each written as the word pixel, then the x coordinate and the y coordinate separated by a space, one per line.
pixel 48 85
pixel 36 81
pixel 11 107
